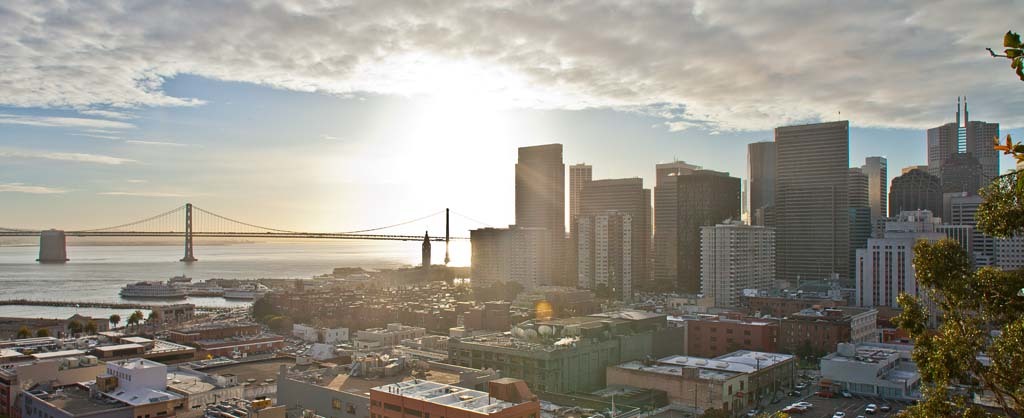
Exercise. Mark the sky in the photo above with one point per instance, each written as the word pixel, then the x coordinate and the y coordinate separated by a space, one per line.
pixel 345 115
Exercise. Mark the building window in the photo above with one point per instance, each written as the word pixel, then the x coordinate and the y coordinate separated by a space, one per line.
pixel 336 403
pixel 413 412
pixel 392 407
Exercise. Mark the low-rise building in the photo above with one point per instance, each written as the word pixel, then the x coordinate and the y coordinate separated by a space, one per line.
pixel 390 336
pixel 733 382
pixel 818 331
pixel 714 335
pixel 504 398
pixel 326 335
pixel 782 305
pixel 877 370
pixel 213 331
pixel 14 377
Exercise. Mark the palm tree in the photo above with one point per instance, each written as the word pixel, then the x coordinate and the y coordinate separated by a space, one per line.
pixel 153 317
pixel 74 327
pixel 91 328
pixel 114 320
pixel 23 332
pixel 42 332
pixel 135 318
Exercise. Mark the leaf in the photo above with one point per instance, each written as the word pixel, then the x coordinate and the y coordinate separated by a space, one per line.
pixel 1011 40
pixel 1013 53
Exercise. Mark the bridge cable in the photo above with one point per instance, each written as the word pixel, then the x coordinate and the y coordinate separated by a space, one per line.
pixel 474 220
pixel 136 222
pixel 225 218
pixel 392 226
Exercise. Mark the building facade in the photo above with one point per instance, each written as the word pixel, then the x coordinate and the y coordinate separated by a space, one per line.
pixel 626 196
pixel 915 190
pixel 579 176
pixel 540 203
pixel 706 198
pixel 736 258
pixel 876 168
pixel 604 253
pixel 666 204
pixel 812 228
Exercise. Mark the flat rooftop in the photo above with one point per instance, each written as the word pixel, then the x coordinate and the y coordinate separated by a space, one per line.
pixel 361 385
pixel 137 363
pixel 188 383
pixel 75 400
pixel 58 354
pixel 677 370
pixel 447 395
pixel 258 370
pixel 755 359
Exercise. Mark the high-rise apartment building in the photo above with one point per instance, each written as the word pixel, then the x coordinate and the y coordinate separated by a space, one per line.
pixel 914 190
pixel 491 253
pixel 812 226
pixel 761 168
pixel 962 210
pixel 604 253
pixel 540 202
pixel 513 254
pixel 735 258
pixel 706 198
pixel 885 267
pixel 665 214
pixel 876 168
pixel 629 197
pixel 579 176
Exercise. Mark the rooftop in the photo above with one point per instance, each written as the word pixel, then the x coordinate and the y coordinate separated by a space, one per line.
pixel 75 400
pixel 188 383
pixel 447 395
pixel 677 370
pixel 137 363
pixel 214 325
pixel 142 396
pixel 58 354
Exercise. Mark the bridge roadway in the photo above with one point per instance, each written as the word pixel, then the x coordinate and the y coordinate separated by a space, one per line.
pixel 292 235
pixel 108 305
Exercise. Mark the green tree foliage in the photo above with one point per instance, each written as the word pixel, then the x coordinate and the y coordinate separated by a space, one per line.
pixel 75 327
pixel 135 318
pixel 114 320
pixel 42 332
pixel 91 328
pixel 23 332
pixel 153 317
pixel 1014 52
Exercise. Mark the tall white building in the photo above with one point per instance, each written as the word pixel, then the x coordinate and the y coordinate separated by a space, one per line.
pixel 886 267
pixel 604 252
pixel 1010 253
pixel 962 209
pixel 735 257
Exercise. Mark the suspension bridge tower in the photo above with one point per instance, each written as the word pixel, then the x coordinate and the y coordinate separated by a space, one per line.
pixel 189 257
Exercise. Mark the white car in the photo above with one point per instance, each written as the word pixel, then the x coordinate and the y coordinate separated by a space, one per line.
pixel 871 408
pixel 806 405
pixel 839 414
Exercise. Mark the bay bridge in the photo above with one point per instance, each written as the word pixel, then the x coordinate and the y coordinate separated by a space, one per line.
pixel 188 222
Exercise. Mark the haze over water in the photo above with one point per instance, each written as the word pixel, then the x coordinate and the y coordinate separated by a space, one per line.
pixel 97 273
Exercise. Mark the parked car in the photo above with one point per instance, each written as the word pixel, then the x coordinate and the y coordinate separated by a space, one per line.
pixel 871 408
pixel 753 413
pixel 807 405
pixel 800 386
pixel 846 394
pixel 794 393
pixel 839 414
pixel 885 408
pixel 793 409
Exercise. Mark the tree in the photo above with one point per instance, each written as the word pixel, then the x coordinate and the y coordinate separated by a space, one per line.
pixel 42 332
pixel 979 312
pixel 114 320
pixel 23 332
pixel 91 328
pixel 135 318
pixel 74 327
pixel 153 317
pixel 1014 52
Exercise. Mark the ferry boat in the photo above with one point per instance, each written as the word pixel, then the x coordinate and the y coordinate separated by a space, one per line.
pixel 152 290
pixel 204 289
pixel 248 291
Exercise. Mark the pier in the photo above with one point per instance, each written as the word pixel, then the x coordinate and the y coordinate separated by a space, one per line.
pixel 107 305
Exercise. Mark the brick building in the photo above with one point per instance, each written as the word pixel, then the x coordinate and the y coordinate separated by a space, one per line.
pixel 505 398
pixel 712 336
pixel 820 330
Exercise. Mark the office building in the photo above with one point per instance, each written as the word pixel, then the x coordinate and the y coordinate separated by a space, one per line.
pixel 604 253
pixel 876 168
pixel 859 214
pixel 1010 253
pixel 666 213
pixel 885 268
pixel 569 354
pixel 513 254
pixel 885 371
pixel 579 176
pixel 818 330
pixel 736 259
pixel 734 382
pixel 968 137
pixel 962 211
pixel 706 198
pixel 540 203
pixel 812 226
pixel 491 253
pixel 629 197
pixel 915 190
pixel 962 172
pixel 761 167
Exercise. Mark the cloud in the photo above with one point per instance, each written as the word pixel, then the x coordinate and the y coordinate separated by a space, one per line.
pixel 24 188
pixel 99 136
pixel 729 64
pixel 109 114
pixel 64 156
pixel 160 143
pixel 143 194
pixel 136 181
pixel 60 122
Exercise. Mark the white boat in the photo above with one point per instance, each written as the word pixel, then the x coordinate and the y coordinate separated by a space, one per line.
pixel 152 290
pixel 246 291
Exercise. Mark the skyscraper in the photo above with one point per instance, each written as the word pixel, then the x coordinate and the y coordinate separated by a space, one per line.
pixel 915 190
pixel 579 176
pixel 491 255
pixel 761 167
pixel 876 169
pixel 627 196
pixel 860 214
pixel 665 222
pixel 974 137
pixel 540 201
pixel 706 198
pixel 735 257
pixel 885 266
pixel 962 211
pixel 812 226
pixel 960 173
pixel 604 259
